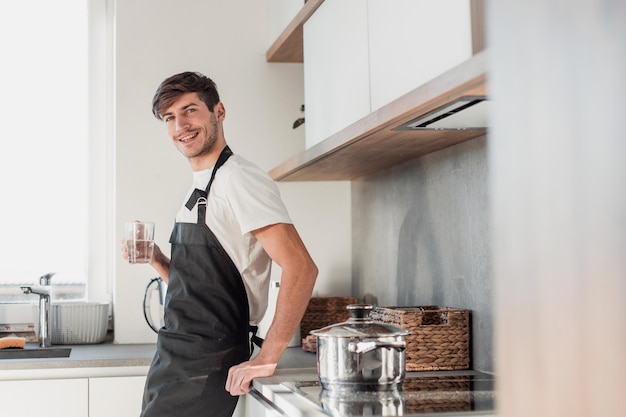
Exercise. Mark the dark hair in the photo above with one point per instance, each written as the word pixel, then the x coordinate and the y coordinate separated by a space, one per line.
pixel 186 82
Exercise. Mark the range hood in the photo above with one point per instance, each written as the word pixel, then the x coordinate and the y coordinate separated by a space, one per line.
pixel 464 113
pixel 447 110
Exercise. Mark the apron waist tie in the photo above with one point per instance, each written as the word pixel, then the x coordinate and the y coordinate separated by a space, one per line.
pixel 254 339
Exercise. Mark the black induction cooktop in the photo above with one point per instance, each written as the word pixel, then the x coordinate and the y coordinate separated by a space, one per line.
pixel 449 393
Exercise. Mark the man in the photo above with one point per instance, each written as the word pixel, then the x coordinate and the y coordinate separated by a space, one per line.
pixel 232 226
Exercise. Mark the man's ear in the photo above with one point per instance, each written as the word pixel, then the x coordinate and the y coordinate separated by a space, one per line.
pixel 220 111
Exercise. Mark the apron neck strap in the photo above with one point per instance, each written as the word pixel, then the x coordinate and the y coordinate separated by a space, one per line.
pixel 202 200
pixel 199 196
pixel 226 153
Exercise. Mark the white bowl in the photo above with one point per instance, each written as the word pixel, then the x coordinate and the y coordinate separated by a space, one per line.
pixel 78 323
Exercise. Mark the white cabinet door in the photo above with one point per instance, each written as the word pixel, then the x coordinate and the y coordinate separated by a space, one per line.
pixel 122 397
pixel 254 408
pixel 413 41
pixel 336 76
pixel 47 397
pixel 116 396
pixel 240 410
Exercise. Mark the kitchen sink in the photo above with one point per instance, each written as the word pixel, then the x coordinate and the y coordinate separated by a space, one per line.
pixel 33 351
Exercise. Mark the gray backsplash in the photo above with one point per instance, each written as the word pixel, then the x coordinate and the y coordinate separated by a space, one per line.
pixel 421 237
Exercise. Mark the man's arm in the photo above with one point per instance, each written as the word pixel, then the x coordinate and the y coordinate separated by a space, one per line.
pixel 161 264
pixel 283 244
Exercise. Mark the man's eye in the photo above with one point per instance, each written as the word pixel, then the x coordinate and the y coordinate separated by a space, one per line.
pixel 168 119
pixel 191 110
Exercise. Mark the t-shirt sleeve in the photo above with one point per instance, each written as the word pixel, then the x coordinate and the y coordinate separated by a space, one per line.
pixel 255 199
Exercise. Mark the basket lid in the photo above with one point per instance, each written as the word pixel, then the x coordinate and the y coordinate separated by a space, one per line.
pixel 359 325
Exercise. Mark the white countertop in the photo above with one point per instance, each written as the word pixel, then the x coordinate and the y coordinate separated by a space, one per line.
pixel 110 359
pixel 85 361
pixel 272 394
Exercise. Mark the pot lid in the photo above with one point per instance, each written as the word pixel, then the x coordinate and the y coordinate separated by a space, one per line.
pixel 360 325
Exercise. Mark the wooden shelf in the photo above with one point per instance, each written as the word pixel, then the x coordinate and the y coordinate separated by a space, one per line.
pixel 371 144
pixel 288 46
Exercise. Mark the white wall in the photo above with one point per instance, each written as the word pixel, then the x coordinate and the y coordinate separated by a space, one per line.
pixel 227 41
pixel 281 13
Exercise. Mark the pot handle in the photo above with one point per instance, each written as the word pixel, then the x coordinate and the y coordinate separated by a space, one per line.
pixel 364 347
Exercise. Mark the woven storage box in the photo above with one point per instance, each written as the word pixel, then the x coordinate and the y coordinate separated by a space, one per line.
pixel 322 312
pixel 439 337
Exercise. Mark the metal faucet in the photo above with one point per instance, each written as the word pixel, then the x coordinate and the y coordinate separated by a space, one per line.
pixel 45 324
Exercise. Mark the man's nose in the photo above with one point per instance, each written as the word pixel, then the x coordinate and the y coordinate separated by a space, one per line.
pixel 181 124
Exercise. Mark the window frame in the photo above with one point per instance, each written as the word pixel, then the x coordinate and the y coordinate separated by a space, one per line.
pixel 101 205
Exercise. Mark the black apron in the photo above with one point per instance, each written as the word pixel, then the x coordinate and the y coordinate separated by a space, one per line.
pixel 206 324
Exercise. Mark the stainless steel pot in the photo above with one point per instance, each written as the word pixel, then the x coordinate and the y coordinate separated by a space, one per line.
pixel 364 403
pixel 361 354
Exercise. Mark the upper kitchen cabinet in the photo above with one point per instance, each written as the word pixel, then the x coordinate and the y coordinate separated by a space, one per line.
pixel 380 77
pixel 442 112
pixel 336 68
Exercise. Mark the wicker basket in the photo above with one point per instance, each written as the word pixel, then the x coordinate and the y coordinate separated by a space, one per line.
pixel 322 312
pixel 439 337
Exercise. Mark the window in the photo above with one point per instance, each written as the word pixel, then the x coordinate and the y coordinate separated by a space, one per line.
pixel 46 174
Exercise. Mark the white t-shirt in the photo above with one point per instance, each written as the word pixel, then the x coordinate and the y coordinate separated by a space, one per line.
pixel 243 198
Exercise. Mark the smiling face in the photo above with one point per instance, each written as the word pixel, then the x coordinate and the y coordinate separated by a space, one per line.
pixel 196 131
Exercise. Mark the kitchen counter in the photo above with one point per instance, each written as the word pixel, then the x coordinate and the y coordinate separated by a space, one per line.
pixel 87 356
pixel 106 359
pixel 109 359
pixel 279 393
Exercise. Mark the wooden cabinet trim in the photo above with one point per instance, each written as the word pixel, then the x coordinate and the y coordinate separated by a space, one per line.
pixel 288 47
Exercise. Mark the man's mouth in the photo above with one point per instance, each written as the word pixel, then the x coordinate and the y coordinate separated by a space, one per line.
pixel 188 137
